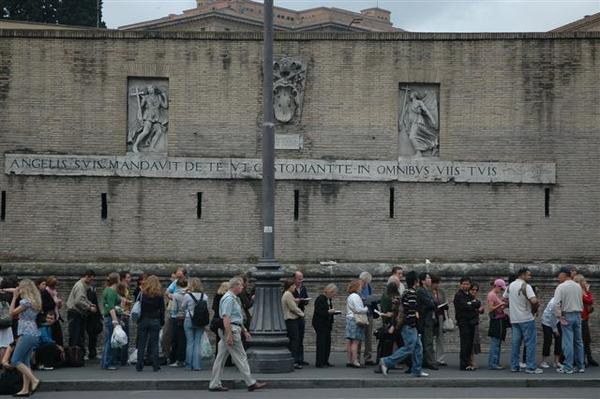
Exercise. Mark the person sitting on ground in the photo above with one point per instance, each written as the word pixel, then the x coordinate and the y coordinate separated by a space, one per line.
pixel 48 354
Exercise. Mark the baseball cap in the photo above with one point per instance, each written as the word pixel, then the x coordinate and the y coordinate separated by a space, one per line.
pixel 500 283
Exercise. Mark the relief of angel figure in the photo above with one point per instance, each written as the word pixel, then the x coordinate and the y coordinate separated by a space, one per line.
pixel 419 130
pixel 150 129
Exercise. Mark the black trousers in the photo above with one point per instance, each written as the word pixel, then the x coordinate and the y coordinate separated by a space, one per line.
pixel 178 341
pixel 301 329
pixel 76 329
pixel 467 335
pixel 548 337
pixel 587 339
pixel 293 333
pixel 323 346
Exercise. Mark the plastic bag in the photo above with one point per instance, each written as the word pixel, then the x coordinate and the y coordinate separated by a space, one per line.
pixel 132 357
pixel 119 338
pixel 448 325
pixel 206 349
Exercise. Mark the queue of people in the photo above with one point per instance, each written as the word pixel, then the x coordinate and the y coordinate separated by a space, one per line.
pixel 414 319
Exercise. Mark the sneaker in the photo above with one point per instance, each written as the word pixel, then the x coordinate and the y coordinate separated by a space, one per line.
pixel 497 367
pixel 111 368
pixel 45 368
pixel 581 371
pixel 523 365
pixel 514 370
pixel 558 365
pixel 174 364
pixel 562 370
pixel 422 374
pixel 384 368
pixel 534 371
pixel 544 365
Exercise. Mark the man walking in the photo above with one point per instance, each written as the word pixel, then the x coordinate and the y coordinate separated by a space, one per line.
pixel 230 311
pixel 521 304
pixel 426 323
pixel 412 343
pixel 568 299
pixel 78 306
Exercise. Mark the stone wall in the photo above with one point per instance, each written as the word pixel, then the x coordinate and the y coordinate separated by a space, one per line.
pixel 503 97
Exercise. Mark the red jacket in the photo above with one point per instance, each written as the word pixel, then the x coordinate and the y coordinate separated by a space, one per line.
pixel 587 303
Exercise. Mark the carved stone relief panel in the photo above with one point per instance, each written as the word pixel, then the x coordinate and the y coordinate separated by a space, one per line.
pixel 289 78
pixel 147 115
pixel 418 120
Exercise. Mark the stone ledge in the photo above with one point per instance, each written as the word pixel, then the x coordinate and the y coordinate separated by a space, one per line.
pixel 292 36
pixel 312 271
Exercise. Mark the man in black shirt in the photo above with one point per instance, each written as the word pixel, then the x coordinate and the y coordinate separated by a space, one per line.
pixel 467 316
pixel 412 342
pixel 300 296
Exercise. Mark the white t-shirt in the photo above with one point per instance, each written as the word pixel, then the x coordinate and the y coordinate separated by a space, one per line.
pixel 518 304
pixel 354 304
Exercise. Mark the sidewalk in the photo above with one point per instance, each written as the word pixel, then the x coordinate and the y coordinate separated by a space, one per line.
pixel 92 378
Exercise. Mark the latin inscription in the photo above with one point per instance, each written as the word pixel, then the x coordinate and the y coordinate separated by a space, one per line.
pixel 285 169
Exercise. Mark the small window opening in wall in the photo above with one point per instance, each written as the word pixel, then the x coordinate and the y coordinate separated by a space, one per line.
pixel 296 204
pixel 104 212
pixel 3 207
pixel 392 202
pixel 199 206
pixel 547 202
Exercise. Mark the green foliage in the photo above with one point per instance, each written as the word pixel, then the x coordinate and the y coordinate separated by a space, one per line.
pixel 68 12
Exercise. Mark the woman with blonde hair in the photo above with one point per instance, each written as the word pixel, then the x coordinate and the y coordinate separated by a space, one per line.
pixel 28 334
pixel 193 333
pixel 588 307
pixel 152 318
pixel 356 321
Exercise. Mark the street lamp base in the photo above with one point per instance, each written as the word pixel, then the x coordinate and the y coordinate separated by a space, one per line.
pixel 268 352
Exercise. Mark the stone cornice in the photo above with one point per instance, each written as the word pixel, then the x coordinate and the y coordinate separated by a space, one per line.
pixel 293 36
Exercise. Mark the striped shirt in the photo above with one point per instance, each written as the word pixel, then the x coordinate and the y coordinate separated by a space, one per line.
pixel 409 301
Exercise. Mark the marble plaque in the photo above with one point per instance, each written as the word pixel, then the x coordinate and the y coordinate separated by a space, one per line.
pixel 289 142
pixel 421 170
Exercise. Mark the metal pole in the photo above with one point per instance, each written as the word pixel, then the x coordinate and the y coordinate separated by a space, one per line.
pixel 268 138
pixel 97 14
pixel 268 352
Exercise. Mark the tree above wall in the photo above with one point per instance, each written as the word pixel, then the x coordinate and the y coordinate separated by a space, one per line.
pixel 68 12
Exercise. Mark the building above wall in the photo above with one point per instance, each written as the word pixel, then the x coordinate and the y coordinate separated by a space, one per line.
pixel 247 15
pixel 589 23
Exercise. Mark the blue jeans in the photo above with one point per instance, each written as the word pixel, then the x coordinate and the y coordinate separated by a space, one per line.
pixel 23 350
pixel 148 332
pixel 525 331
pixel 193 360
pixel 572 341
pixel 110 356
pixel 494 355
pixel 412 347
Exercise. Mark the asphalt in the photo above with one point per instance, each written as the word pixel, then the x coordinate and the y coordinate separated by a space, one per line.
pixel 92 378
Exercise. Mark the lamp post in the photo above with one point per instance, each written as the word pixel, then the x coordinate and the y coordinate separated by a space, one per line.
pixel 268 352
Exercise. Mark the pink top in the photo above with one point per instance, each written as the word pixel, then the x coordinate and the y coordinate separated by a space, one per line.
pixel 493 300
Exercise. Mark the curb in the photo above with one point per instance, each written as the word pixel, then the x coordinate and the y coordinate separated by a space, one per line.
pixel 390 382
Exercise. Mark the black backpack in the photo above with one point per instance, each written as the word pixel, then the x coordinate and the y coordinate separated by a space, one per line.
pixel 201 316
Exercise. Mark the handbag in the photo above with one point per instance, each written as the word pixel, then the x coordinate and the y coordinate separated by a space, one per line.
pixel 206 350
pixel 361 319
pixel 136 309
pixel 448 325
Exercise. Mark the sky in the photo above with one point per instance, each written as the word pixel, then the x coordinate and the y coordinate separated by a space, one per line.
pixel 411 15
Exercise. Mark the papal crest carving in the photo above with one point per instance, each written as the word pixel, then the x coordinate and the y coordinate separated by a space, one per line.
pixel 289 77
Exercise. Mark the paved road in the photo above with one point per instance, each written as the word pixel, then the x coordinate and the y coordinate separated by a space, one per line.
pixel 378 393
